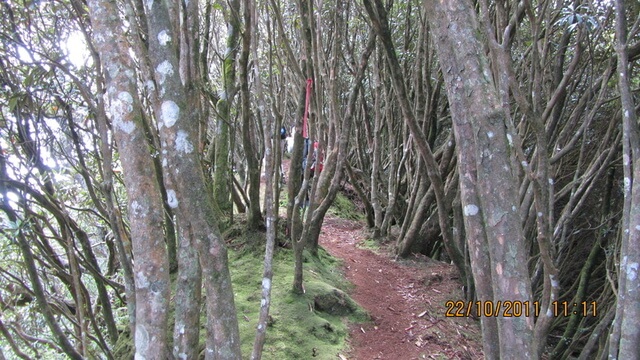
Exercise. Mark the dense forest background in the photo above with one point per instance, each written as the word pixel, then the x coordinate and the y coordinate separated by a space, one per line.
pixel 500 136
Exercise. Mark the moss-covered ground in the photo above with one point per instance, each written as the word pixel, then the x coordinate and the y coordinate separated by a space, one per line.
pixel 297 329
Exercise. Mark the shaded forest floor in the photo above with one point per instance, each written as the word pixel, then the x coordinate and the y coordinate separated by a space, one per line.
pixel 405 298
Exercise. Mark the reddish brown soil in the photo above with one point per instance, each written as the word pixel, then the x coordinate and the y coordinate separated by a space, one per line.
pixel 406 301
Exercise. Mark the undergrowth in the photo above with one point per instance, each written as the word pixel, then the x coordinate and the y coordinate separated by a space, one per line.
pixel 297 330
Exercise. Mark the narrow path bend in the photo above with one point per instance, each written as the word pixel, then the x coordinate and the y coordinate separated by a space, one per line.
pixel 406 300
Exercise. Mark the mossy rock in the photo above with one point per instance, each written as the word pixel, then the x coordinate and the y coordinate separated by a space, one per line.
pixel 335 302
pixel 326 332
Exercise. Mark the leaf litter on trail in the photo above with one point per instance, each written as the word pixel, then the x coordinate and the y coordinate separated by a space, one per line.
pixel 405 299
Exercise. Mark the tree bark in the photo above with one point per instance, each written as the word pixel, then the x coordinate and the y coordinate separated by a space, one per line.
pixel 145 207
pixel 489 184
pixel 299 176
pixel 188 296
pixel 254 218
pixel 187 193
pixel 272 153
pixel 625 333
pixel 222 170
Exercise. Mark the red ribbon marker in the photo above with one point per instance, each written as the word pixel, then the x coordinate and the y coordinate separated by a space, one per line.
pixel 305 130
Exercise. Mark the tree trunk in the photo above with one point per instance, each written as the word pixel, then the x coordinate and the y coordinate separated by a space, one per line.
pixel 222 170
pixel 145 207
pixel 186 330
pixel 121 237
pixel 187 193
pixel 272 154
pixel 376 154
pixel 625 333
pixel 299 177
pixel 489 184
pixel 254 218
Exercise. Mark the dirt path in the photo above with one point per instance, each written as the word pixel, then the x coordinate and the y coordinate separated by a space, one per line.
pixel 405 300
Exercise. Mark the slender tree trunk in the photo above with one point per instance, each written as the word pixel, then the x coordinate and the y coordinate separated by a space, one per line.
pixel 392 185
pixel 74 270
pixel 254 218
pixel 299 176
pixel 222 171
pixel 87 249
pixel 272 154
pixel 122 240
pixel 145 207
pixel 294 221
pixel 625 333
pixel 187 193
pixel 378 15
pixel 376 151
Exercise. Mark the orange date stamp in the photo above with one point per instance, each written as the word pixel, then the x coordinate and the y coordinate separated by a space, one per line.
pixel 490 308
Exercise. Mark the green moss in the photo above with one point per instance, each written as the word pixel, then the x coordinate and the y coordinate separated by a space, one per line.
pixel 297 329
pixel 370 244
pixel 343 208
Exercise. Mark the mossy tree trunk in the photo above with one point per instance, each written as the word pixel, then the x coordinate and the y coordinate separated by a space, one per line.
pixel 175 103
pixel 299 177
pixel 222 169
pixel 254 219
pixel 271 174
pixel 178 121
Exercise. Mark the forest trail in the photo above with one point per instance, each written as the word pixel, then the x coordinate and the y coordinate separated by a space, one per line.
pixel 406 300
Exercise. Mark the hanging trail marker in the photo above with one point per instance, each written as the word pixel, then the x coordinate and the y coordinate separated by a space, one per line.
pixel 307 101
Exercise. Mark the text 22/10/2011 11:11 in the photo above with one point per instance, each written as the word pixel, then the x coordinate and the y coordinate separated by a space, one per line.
pixel 462 308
